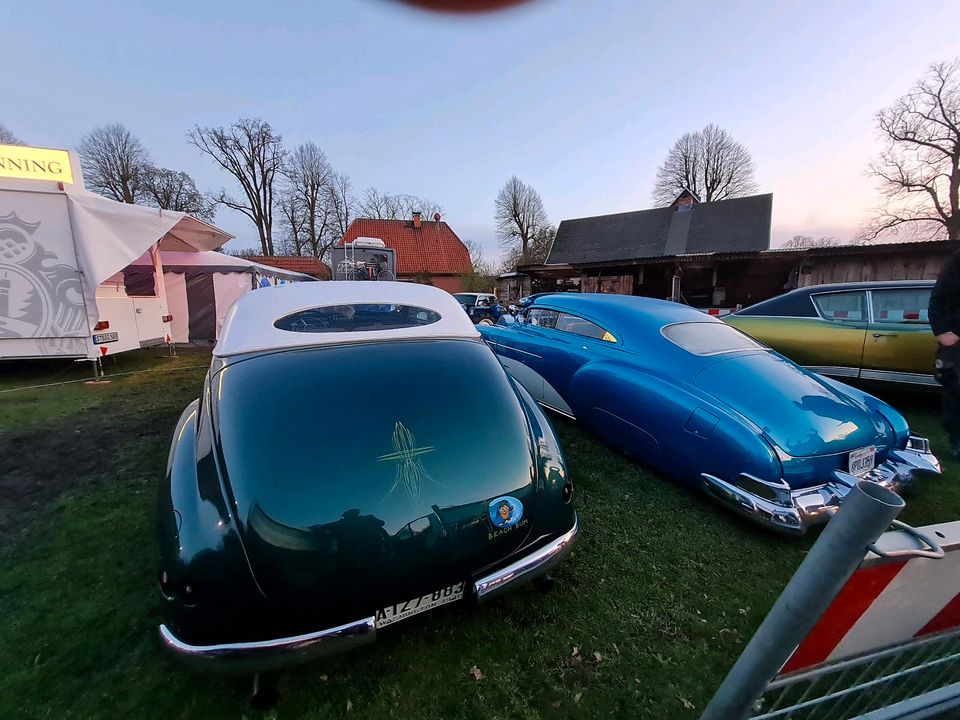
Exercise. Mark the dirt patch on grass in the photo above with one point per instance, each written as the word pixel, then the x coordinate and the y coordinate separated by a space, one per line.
pixel 38 467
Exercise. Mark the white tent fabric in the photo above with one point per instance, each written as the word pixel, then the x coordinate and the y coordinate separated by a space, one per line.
pixel 203 286
pixel 58 247
pixel 109 235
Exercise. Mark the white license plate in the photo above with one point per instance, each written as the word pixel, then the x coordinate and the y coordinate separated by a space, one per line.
pixel 105 338
pixel 401 611
pixel 862 460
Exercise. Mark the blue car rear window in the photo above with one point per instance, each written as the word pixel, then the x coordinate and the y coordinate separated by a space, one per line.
pixel 708 338
pixel 356 318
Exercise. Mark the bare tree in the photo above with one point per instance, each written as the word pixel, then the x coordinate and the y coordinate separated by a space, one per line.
pixel 919 172
pixel 114 162
pixel 306 201
pixel 482 276
pixel 798 242
pixel 387 206
pixel 343 205
pixel 709 163
pixel 519 216
pixel 252 152
pixel 175 190
pixel 7 137
pixel 537 254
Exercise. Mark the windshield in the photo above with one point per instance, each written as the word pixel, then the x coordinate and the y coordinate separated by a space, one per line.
pixel 466 299
pixel 708 338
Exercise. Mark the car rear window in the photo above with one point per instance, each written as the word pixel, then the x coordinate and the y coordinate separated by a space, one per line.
pixel 356 318
pixel 708 338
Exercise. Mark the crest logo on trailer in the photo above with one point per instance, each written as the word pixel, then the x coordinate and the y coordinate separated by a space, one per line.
pixel 33 283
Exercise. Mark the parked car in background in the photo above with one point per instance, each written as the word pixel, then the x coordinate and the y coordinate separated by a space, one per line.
pixel 867 330
pixel 482 308
pixel 324 486
pixel 707 405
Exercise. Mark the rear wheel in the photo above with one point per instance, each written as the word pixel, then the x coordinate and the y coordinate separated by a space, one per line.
pixel 385 275
pixel 486 321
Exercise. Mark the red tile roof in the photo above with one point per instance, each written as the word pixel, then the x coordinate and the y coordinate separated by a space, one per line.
pixel 307 265
pixel 432 248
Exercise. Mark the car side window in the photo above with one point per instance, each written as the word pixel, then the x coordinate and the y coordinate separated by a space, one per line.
pixel 579 326
pixel 541 317
pixel 842 306
pixel 907 305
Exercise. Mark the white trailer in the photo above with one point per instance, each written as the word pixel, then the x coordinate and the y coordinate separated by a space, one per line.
pixel 59 248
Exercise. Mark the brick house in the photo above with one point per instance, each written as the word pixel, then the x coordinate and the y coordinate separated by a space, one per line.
pixel 428 251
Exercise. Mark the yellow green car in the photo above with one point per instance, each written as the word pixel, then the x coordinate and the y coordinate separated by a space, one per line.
pixel 866 330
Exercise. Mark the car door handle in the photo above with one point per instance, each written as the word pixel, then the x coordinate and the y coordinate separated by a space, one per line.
pixel 879 335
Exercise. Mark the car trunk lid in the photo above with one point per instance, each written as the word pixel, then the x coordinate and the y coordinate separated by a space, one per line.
pixel 364 475
pixel 796 411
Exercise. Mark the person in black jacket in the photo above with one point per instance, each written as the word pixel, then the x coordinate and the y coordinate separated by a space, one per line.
pixel 945 324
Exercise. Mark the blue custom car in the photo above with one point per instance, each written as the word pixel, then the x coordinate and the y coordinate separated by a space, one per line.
pixel 708 405
pixel 324 485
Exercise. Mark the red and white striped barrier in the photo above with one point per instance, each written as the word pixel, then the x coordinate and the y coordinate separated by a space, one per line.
pixel 716 311
pixel 888 601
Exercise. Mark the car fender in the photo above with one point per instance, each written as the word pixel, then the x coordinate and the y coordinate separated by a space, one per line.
pixel 894 418
pixel 201 559
pixel 554 508
pixel 669 425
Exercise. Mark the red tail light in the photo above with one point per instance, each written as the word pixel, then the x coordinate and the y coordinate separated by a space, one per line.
pixel 167 318
pixel 102 325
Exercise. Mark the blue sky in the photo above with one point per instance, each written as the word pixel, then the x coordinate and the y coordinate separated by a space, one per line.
pixel 580 98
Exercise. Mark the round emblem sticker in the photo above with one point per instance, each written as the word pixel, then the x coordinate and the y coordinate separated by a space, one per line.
pixel 505 511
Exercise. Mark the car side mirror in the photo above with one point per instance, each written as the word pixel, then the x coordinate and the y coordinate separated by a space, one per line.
pixel 506 320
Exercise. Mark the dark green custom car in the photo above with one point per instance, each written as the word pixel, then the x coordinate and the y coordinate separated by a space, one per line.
pixel 358 456
pixel 867 330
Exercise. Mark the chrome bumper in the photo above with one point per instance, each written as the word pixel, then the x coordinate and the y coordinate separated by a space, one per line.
pixel 776 505
pixel 266 655
pixel 528 567
pixel 263 655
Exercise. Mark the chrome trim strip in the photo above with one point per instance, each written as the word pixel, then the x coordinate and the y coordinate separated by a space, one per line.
pixel 793 513
pixel 558 411
pixel 279 652
pixel 527 568
pixel 900 377
pixel 516 349
pixel 837 370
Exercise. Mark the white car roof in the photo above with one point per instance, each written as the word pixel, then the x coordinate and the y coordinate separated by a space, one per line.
pixel 249 324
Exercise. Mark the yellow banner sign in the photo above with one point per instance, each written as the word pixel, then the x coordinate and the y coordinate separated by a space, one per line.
pixel 27 163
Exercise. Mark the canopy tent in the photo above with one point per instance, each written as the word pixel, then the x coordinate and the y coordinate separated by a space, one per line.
pixel 58 245
pixel 202 286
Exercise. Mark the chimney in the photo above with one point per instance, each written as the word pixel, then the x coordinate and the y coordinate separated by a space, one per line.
pixel 416 220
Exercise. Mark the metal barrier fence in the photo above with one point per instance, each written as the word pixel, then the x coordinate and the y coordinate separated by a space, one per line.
pixel 851 687
pixel 824 634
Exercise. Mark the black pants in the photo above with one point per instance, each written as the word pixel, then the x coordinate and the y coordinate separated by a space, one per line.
pixel 948 375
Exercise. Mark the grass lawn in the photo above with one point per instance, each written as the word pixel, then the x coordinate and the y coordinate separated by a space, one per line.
pixel 646 618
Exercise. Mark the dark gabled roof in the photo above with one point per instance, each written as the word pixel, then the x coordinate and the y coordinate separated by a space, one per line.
pixel 736 225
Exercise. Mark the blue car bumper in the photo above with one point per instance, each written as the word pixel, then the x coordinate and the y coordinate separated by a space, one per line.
pixel 777 506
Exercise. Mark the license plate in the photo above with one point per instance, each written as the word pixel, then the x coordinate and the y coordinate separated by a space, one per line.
pixel 105 338
pixel 862 460
pixel 401 611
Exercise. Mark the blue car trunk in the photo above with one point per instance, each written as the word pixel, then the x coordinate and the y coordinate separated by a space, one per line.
pixel 798 413
pixel 365 475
